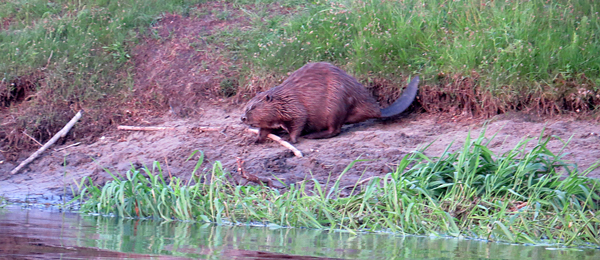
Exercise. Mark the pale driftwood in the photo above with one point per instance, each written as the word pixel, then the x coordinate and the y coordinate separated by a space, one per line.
pixel 280 141
pixel 206 128
pixel 144 128
pixel 48 62
pixel 53 140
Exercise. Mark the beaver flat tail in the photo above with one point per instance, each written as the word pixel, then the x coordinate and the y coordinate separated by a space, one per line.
pixel 404 101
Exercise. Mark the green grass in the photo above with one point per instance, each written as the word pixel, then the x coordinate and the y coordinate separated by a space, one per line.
pixel 507 41
pixel 84 34
pixel 516 51
pixel 517 197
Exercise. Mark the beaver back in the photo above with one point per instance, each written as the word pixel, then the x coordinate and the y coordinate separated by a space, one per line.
pixel 330 95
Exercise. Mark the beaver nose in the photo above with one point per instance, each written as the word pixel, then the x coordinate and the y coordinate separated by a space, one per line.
pixel 244 118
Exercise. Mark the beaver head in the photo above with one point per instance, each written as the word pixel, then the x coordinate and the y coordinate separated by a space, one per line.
pixel 261 111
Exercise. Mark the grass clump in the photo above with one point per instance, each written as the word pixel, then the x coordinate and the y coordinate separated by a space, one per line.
pixel 508 40
pixel 511 49
pixel 519 197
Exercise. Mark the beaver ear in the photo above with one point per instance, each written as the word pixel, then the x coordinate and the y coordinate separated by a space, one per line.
pixel 268 98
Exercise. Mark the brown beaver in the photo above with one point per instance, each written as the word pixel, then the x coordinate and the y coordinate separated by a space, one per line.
pixel 317 100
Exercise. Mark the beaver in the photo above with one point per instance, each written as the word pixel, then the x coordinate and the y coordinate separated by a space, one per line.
pixel 316 100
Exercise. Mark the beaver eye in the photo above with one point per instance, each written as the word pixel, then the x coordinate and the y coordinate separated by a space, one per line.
pixel 268 98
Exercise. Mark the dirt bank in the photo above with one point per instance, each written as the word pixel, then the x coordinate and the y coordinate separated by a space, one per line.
pixel 181 80
pixel 383 143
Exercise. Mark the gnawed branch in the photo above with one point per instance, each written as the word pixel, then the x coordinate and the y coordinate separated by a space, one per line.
pixel 280 141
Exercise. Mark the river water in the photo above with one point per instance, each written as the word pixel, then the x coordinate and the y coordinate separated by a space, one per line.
pixel 46 233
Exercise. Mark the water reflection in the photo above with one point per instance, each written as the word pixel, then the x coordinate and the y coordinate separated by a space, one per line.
pixel 32 233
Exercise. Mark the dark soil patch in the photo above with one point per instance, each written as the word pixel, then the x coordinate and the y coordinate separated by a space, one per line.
pixel 19 89
pixel 15 92
pixel 461 95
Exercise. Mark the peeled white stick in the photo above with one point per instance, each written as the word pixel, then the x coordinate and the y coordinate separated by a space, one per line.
pixel 280 141
pixel 53 140
pixel 144 128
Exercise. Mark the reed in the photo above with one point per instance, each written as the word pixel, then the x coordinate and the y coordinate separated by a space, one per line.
pixel 526 195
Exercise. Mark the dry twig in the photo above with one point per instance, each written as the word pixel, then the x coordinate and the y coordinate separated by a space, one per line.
pixel 30 137
pixel 160 128
pixel 71 145
pixel 252 177
pixel 144 128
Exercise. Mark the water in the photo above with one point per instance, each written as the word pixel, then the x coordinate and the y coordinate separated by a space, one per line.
pixel 48 234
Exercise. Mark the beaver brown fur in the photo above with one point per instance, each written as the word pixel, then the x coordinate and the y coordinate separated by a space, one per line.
pixel 317 100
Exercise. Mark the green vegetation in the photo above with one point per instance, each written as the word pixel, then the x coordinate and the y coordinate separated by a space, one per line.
pixel 81 37
pixel 507 41
pixel 516 197
pixel 64 55
pixel 73 53
pixel 536 53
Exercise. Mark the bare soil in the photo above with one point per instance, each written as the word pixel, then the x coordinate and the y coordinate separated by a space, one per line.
pixel 183 80
pixel 382 143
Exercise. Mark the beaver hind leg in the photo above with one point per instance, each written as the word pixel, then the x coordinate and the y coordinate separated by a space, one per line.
pixel 295 128
pixel 294 134
pixel 330 132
